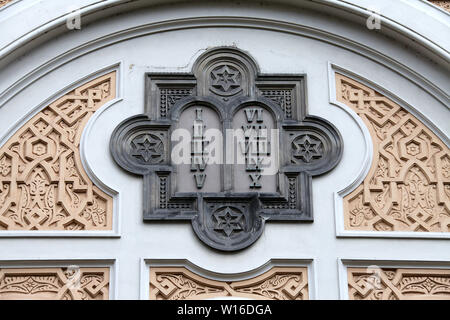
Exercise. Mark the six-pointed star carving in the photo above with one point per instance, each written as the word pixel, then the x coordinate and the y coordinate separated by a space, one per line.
pixel 148 148
pixel 225 78
pixel 306 148
pixel 228 221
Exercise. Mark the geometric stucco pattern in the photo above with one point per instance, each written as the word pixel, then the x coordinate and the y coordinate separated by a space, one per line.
pixel 179 283
pixel 5 2
pixel 43 185
pixel 54 283
pixel 444 4
pixel 408 185
pixel 398 284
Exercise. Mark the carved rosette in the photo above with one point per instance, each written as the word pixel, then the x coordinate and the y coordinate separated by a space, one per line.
pixel 68 283
pixel 398 284
pixel 408 185
pixel 179 283
pixel 43 185
pixel 226 203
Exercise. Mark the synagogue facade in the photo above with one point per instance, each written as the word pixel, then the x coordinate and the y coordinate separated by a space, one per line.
pixel 172 150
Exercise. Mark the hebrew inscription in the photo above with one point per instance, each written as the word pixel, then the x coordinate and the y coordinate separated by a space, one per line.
pixel 226 148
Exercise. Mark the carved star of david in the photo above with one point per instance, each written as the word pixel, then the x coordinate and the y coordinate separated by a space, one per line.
pixel 148 148
pixel 228 221
pixel 307 149
pixel 225 91
pixel 225 78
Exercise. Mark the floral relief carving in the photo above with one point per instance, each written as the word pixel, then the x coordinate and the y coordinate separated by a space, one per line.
pixel 179 283
pixel 43 185
pixel 54 283
pixel 408 185
pixel 398 284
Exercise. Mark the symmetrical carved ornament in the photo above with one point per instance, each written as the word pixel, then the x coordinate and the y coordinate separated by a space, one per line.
pixel 408 185
pixel 398 284
pixel 54 283
pixel 444 4
pixel 227 201
pixel 5 2
pixel 179 283
pixel 43 185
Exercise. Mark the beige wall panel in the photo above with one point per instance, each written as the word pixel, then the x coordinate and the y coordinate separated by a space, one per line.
pixel 179 283
pixel 444 4
pixel 43 185
pixel 5 2
pixel 408 185
pixel 398 284
pixel 54 283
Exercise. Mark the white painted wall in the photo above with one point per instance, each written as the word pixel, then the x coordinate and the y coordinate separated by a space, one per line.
pixel 26 85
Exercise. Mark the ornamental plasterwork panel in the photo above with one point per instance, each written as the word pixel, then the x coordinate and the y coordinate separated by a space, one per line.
pixel 226 148
pixel 43 185
pixel 5 2
pixel 52 283
pixel 444 4
pixel 398 284
pixel 179 283
pixel 408 185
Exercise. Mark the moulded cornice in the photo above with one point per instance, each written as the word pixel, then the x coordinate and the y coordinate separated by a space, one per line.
pixel 428 42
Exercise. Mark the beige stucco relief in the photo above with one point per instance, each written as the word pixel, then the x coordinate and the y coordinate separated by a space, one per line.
pixel 54 283
pixel 5 2
pixel 43 185
pixel 408 185
pixel 444 4
pixel 398 284
pixel 179 283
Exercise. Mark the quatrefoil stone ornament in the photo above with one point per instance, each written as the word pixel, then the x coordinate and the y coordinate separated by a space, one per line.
pixel 226 148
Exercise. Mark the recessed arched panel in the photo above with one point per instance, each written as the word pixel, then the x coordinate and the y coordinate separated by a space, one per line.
pixel 199 126
pixel 43 185
pixel 182 283
pixel 256 148
pixel 55 283
pixel 408 185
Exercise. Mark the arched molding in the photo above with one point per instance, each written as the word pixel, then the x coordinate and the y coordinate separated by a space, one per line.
pixel 317 28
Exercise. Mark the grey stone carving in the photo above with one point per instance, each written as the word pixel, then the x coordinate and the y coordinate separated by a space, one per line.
pixel 148 148
pixel 306 148
pixel 227 203
pixel 226 80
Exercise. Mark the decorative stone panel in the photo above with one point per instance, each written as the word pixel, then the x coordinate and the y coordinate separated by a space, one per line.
pixel 408 185
pixel 5 2
pixel 398 284
pixel 54 283
pixel 226 190
pixel 43 185
pixel 179 283
pixel 444 4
